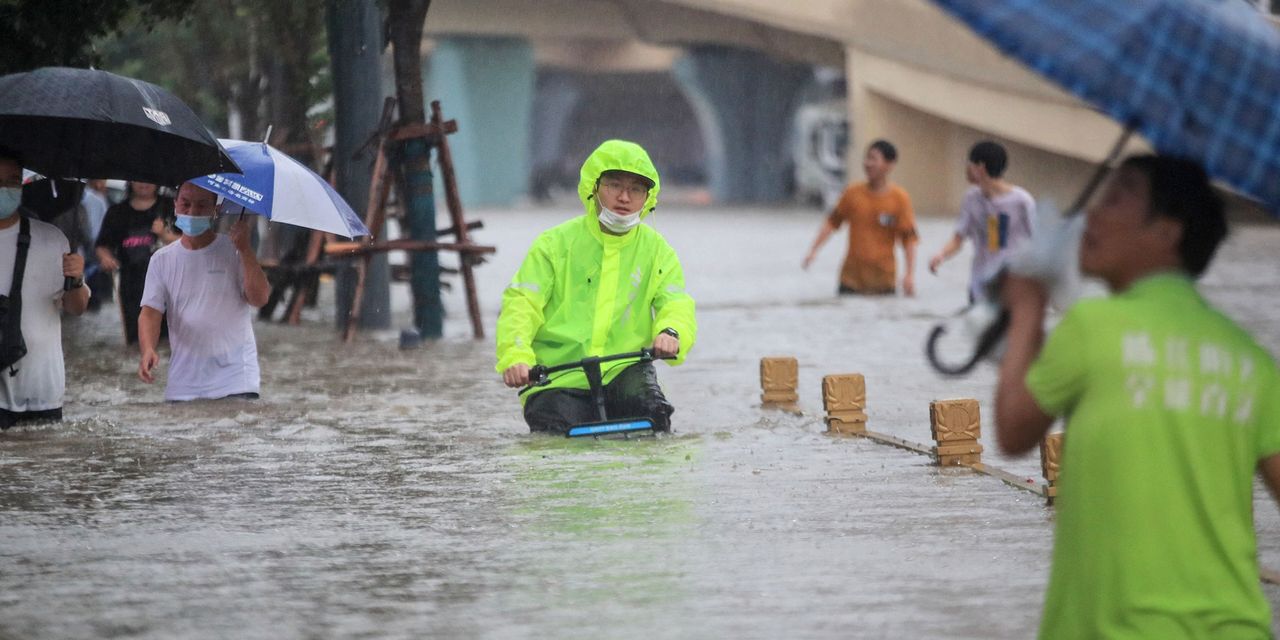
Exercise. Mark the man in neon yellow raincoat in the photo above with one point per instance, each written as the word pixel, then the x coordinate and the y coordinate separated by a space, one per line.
pixel 597 285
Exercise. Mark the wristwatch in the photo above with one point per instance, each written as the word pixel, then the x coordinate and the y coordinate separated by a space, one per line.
pixel 69 283
pixel 671 332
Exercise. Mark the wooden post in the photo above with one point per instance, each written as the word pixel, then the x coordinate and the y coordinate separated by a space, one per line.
pixel 465 260
pixel 845 399
pixel 1050 463
pixel 374 215
pixel 779 378
pixel 956 428
pixel 314 250
pixel 314 247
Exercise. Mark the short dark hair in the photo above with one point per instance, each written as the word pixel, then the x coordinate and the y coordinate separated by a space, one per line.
pixel 1180 190
pixel 990 155
pixel 886 149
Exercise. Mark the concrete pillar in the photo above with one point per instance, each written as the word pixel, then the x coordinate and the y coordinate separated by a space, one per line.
pixel 355 52
pixel 486 84
pixel 745 102
pixel 557 96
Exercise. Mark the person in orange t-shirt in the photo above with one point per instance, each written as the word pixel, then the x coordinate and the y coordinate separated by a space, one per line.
pixel 879 214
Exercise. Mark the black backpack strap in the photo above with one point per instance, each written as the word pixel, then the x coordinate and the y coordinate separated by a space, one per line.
pixel 14 317
pixel 20 263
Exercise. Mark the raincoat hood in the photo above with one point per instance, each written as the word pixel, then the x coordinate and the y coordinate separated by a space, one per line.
pixel 617 155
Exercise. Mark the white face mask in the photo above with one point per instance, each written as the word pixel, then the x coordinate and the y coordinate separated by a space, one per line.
pixel 617 223
pixel 10 198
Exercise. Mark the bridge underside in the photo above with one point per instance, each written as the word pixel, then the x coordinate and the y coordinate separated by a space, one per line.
pixel 912 75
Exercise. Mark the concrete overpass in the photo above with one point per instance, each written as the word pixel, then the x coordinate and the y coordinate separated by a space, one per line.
pixel 913 76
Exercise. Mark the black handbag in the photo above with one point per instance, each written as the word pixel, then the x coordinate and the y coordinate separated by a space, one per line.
pixel 12 346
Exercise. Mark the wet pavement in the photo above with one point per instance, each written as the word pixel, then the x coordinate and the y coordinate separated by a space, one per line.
pixel 379 493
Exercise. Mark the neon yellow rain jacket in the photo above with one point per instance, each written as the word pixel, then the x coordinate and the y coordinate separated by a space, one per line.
pixel 583 292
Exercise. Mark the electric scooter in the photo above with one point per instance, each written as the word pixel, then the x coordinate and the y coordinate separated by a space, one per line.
pixel 625 427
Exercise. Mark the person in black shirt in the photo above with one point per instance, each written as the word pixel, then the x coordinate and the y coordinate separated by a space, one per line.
pixel 125 243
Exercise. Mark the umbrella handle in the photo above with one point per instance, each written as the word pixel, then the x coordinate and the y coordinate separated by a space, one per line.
pixel 987 339
pixel 1101 172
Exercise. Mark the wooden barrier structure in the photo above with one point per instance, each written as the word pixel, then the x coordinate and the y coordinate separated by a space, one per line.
pixel 779 379
pixel 470 254
pixel 956 426
pixel 301 275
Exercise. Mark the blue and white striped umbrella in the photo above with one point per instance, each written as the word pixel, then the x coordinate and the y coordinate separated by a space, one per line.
pixel 1198 78
pixel 282 189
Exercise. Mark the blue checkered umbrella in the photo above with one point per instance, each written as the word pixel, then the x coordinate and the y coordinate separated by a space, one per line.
pixel 1197 78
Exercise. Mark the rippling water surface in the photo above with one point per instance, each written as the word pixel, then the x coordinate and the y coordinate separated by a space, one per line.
pixel 374 492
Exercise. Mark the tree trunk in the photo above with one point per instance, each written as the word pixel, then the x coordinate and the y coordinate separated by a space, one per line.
pixel 404 26
pixel 355 47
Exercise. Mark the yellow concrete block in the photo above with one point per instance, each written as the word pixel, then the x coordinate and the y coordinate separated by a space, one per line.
pixel 847 416
pixel 845 428
pixel 779 374
pixel 1051 456
pixel 844 392
pixel 768 397
pixel 955 420
pixel 958 448
pixel 958 460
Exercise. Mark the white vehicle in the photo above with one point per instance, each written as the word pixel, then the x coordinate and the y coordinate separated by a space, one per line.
pixel 820 139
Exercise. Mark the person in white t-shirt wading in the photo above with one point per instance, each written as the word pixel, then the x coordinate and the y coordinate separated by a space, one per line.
pixel 209 286
pixel 996 215
pixel 32 385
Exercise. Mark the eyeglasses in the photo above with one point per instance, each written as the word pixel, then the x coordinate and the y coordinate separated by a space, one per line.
pixel 616 188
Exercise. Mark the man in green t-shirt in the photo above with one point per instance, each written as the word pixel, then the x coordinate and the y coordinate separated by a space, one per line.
pixel 1170 409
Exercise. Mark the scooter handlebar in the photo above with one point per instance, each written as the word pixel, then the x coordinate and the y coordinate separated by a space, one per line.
pixel 538 373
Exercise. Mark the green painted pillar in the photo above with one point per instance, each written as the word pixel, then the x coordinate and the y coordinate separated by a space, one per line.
pixel 420 212
pixel 355 52
pixel 745 103
pixel 486 84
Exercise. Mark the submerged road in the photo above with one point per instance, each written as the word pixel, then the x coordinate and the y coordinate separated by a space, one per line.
pixel 379 493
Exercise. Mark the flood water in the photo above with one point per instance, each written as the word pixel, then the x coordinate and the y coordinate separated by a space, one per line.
pixel 379 493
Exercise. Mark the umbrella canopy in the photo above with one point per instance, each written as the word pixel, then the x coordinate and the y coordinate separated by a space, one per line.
pixel 83 123
pixel 282 189
pixel 1198 78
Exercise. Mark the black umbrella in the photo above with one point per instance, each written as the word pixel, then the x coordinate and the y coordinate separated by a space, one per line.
pixel 83 123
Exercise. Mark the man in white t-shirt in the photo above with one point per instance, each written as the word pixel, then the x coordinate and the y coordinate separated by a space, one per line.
pixel 209 285
pixel 31 388
pixel 996 215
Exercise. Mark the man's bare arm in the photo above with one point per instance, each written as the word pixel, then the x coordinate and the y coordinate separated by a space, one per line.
pixel 1020 423
pixel 256 288
pixel 823 234
pixel 148 337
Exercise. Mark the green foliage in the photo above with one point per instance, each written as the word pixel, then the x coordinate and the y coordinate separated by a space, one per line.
pixel 261 61
pixel 41 33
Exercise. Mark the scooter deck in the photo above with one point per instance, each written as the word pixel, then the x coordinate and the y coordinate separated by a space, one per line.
pixel 612 427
